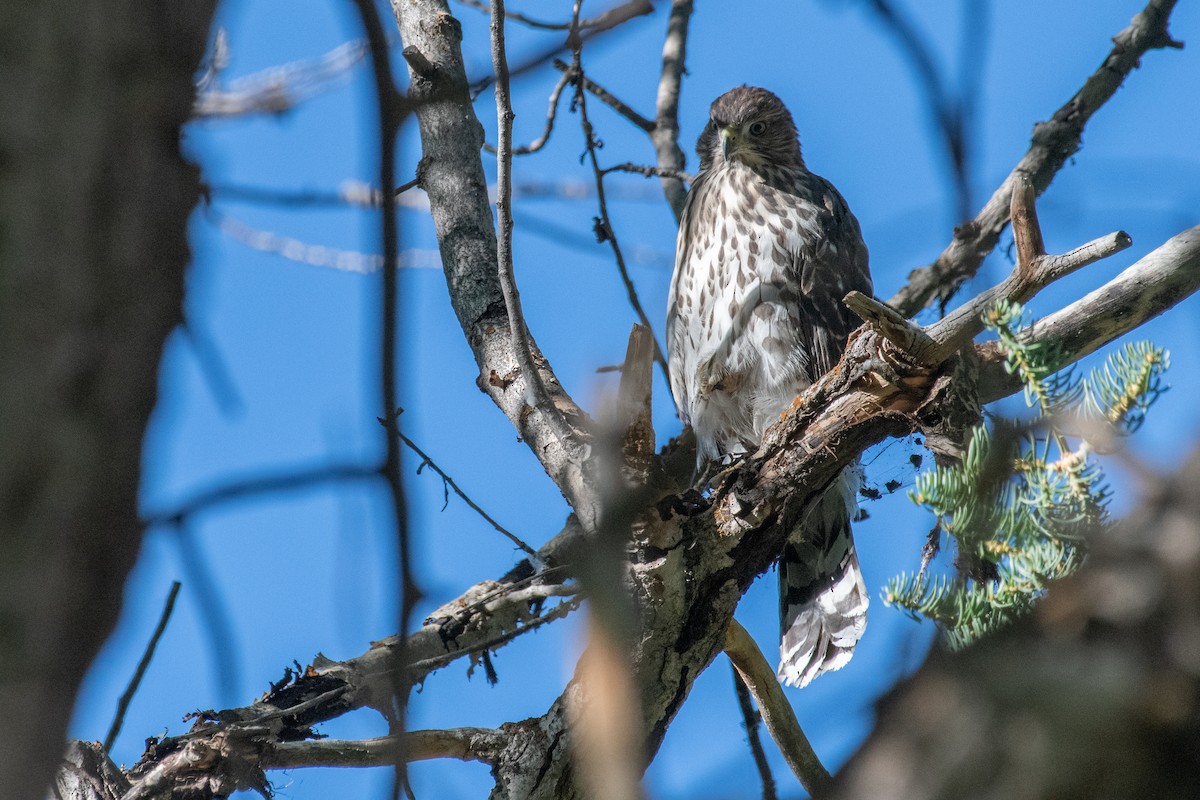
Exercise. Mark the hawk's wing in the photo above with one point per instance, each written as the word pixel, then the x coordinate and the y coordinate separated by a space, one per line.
pixel 829 267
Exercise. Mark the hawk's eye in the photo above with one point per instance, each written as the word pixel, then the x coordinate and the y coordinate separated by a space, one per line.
pixel 758 128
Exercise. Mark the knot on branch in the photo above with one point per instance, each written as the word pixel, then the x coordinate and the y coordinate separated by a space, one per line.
pixel 419 64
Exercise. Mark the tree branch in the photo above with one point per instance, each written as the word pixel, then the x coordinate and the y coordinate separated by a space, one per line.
pixel 605 96
pixel 860 402
pixel 464 744
pixel 1033 272
pixel 776 711
pixel 1152 285
pixel 1054 142
pixel 452 175
pixel 551 115
pixel 126 698
pixel 666 116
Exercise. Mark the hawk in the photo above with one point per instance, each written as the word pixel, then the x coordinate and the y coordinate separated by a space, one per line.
pixel 765 254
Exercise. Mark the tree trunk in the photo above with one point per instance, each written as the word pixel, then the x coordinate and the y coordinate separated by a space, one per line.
pixel 94 201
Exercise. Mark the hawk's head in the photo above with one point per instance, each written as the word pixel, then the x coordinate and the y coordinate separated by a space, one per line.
pixel 749 125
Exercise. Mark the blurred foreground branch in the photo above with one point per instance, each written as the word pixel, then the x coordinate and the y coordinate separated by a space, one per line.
pixel 1096 694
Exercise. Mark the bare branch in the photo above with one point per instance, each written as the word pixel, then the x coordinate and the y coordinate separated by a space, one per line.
pixel 651 172
pixel 908 336
pixel 114 730
pixel 1034 272
pixel 666 115
pixel 551 114
pixel 450 483
pixel 464 744
pixel 603 227
pixel 776 711
pixel 1152 285
pixel 606 97
pixel 522 346
pixel 418 63
pixel 751 721
pixel 281 88
pixel 1054 142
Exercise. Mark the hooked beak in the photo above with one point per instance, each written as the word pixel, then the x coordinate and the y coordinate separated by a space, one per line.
pixel 728 141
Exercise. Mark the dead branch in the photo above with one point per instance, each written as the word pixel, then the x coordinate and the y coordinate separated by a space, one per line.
pixel 777 712
pixel 1054 143
pixel 464 744
pixel 1035 270
pixel 1154 284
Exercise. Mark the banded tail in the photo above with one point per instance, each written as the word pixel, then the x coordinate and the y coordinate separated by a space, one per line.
pixel 822 597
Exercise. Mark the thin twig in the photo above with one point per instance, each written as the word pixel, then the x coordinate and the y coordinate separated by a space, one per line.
pixel 114 730
pixel 751 719
pixel 604 228
pixel 551 114
pixel 650 172
pixel 606 97
pixel 449 482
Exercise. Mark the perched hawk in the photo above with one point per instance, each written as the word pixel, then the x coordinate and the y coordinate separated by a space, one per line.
pixel 766 252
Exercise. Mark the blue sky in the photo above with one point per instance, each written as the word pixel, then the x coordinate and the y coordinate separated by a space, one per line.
pixel 313 571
